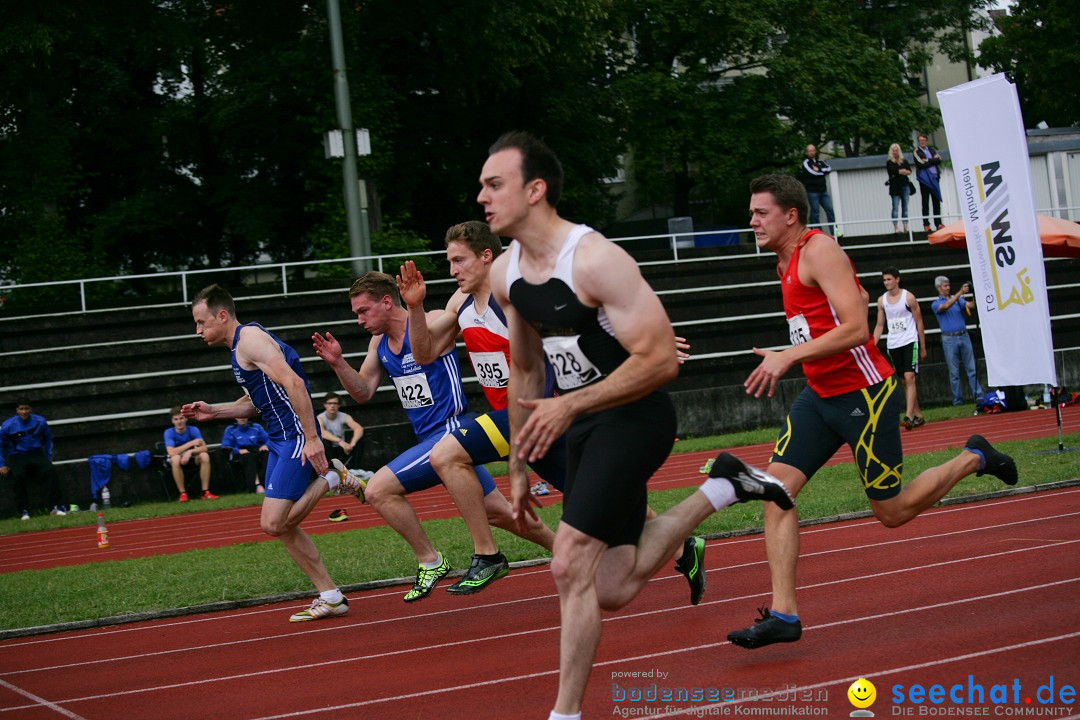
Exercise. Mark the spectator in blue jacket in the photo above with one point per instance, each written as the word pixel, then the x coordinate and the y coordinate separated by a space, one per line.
pixel 26 448
pixel 246 444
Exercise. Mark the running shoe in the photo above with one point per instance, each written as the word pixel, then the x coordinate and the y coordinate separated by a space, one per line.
pixel 692 565
pixel 766 630
pixel 751 483
pixel 320 609
pixel 704 469
pixel 183 497
pixel 995 463
pixel 339 515
pixel 58 511
pixel 350 484
pixel 25 515
pixel 917 421
pixel 207 495
pixel 259 489
pixel 481 573
pixel 541 488
pixel 907 423
pixel 426 578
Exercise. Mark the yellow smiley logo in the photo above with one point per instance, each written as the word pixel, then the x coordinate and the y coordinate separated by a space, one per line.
pixel 862 693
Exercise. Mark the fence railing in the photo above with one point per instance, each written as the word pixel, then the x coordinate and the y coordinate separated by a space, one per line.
pixel 183 283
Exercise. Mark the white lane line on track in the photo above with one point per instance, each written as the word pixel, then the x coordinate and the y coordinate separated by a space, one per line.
pixel 533 631
pixel 890 671
pixel 616 618
pixel 839 681
pixel 39 702
pixel 156 627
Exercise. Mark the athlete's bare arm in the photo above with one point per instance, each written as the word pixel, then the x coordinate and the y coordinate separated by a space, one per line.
pixel 431 334
pixel 360 384
pixel 199 410
pixel 527 377
pixel 255 348
pixel 880 325
pixel 913 305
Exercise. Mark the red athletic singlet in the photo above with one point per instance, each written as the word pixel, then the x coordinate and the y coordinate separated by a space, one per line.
pixel 810 315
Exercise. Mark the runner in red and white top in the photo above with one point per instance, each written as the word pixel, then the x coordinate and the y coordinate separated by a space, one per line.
pixel 810 315
pixel 851 397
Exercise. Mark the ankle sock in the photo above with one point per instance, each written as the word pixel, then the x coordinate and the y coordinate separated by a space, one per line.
pixel 720 492
pixel 559 716
pixel 332 479
pixel 790 619
pixel 332 596
pixel 433 564
pixel 982 458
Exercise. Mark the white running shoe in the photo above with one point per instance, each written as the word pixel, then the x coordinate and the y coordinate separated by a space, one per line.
pixel 320 609
pixel 350 484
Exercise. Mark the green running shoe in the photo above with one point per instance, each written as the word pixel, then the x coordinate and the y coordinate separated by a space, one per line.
pixel 426 578
pixel 692 565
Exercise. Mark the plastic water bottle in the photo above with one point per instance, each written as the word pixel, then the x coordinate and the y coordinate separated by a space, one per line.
pixel 102 532
pixel 105 496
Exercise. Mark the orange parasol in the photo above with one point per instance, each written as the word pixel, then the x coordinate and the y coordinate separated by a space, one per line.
pixel 1060 238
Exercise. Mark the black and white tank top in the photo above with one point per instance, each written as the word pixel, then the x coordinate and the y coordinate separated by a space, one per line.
pixel 578 339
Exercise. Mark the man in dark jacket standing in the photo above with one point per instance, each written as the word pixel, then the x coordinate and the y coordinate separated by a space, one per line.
pixel 927 160
pixel 812 175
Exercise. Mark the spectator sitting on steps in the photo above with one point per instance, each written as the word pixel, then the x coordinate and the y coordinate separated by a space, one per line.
pixel 186 448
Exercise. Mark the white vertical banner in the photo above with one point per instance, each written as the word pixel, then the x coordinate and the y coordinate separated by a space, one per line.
pixel 997 202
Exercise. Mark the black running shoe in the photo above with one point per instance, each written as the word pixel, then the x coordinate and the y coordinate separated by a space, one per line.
pixel 480 574
pixel 751 483
pixel 997 463
pixel 692 565
pixel 766 630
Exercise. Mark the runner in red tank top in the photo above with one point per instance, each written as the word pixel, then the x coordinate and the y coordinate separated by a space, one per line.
pixel 850 398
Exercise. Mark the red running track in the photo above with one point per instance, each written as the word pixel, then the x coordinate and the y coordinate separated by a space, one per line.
pixel 159 536
pixel 983 594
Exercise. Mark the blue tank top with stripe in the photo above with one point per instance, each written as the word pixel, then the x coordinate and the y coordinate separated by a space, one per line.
pixel 430 394
pixel 269 398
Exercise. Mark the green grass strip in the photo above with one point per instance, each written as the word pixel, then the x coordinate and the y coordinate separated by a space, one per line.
pixel 260 569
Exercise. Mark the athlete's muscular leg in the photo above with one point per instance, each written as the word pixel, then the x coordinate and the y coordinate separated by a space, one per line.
pixel 454 467
pixel 386 494
pixel 574 563
pixel 500 515
pixel 911 394
pixel 204 470
pixel 782 540
pixel 278 520
pixel 925 490
pixel 625 569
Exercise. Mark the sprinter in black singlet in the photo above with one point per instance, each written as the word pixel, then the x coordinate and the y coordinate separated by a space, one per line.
pixel 572 295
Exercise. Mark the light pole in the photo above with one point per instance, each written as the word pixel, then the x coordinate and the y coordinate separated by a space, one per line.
pixel 359 241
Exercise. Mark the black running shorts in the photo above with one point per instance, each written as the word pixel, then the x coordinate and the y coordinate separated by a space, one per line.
pixel 486 439
pixel 611 456
pixel 867 420
pixel 905 359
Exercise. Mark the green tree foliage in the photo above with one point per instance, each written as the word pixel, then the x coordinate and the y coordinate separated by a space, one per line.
pixel 144 134
pixel 1039 47
pixel 843 87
